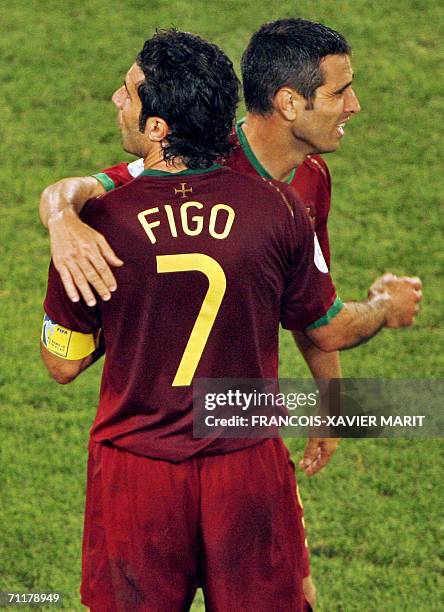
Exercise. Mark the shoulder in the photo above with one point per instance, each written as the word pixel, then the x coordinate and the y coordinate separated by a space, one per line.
pixel 316 165
pixel 237 157
pixel 127 187
pixel 288 196
pixel 116 196
pixel 135 168
pixel 266 195
pixel 119 174
pixel 128 170
pixel 258 184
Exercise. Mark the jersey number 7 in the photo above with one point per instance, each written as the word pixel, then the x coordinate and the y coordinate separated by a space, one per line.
pixel 192 262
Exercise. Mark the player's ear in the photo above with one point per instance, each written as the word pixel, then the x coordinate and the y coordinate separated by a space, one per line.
pixel 288 103
pixel 156 129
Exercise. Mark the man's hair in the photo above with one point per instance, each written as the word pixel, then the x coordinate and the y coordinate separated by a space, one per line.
pixel 287 52
pixel 191 84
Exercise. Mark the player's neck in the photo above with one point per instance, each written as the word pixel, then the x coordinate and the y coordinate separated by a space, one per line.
pixel 154 161
pixel 273 145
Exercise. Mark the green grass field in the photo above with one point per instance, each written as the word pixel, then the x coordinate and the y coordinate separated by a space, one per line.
pixel 374 516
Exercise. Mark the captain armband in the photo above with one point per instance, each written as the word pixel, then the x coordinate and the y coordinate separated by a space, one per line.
pixel 66 343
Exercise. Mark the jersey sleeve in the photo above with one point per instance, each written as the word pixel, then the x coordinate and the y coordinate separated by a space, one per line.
pixel 120 174
pixel 309 299
pixel 73 316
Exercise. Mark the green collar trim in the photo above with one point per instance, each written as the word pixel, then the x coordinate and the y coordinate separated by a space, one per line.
pixel 186 172
pixel 252 157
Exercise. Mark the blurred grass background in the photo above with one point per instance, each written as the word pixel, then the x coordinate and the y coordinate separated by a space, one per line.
pixel 374 516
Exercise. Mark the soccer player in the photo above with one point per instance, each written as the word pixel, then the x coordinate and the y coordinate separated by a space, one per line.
pixel 297 82
pixel 201 294
pixel 378 311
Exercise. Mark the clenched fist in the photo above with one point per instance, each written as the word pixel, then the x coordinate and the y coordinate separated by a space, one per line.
pixel 403 294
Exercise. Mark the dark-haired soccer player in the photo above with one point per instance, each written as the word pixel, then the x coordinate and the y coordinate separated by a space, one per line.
pixel 297 81
pixel 202 292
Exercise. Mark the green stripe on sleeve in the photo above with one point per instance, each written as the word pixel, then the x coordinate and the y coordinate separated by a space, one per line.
pixel 336 307
pixel 105 181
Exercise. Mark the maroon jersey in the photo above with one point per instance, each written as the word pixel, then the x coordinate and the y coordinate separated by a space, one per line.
pixel 311 180
pixel 214 260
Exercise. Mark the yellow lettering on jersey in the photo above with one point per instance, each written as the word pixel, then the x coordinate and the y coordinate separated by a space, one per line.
pixel 64 342
pixel 147 226
pixel 171 222
pixel 228 223
pixel 191 226
pixel 197 219
pixel 190 262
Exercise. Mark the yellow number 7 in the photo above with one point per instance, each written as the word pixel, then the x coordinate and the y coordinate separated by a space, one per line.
pixel 191 262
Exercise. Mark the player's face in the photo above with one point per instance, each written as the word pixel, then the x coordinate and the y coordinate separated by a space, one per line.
pixel 322 127
pixel 128 103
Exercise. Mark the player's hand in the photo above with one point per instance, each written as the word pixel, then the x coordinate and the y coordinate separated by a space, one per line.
pixel 82 257
pixel 317 453
pixel 404 294
pixel 309 591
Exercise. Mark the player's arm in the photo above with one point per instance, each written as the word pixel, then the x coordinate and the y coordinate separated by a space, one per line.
pixel 64 371
pixel 68 194
pixel 309 303
pixel 393 302
pixel 71 338
pixel 323 366
pixel 81 255
pixel 67 353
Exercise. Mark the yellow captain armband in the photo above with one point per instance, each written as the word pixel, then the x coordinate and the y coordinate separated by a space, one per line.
pixel 66 343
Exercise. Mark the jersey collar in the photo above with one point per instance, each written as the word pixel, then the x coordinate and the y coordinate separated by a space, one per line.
pixel 252 157
pixel 187 172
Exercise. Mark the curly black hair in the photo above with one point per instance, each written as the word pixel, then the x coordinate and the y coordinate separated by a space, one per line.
pixel 191 84
pixel 287 52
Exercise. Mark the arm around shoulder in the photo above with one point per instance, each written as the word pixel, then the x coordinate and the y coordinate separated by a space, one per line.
pixel 81 255
pixel 69 193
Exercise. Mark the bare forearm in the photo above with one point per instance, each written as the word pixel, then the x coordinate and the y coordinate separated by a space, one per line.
pixel 67 195
pixel 355 323
pixel 393 302
pixel 363 321
pixel 322 365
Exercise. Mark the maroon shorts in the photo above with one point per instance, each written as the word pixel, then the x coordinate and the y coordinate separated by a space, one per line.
pixel 155 531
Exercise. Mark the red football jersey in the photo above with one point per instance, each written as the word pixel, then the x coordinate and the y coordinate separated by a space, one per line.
pixel 311 180
pixel 214 260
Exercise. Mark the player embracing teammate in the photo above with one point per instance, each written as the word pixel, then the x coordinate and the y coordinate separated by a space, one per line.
pixel 214 261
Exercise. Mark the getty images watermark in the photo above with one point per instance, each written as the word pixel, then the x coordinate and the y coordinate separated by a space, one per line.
pixel 346 408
